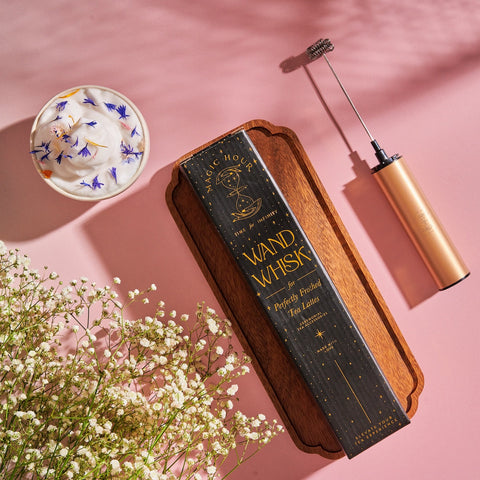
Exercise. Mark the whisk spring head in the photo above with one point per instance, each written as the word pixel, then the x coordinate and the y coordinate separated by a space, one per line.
pixel 319 48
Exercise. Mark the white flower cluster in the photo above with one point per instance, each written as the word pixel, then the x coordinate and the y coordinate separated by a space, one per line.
pixel 87 393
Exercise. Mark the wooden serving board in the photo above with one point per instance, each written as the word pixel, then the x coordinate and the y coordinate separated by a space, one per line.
pixel 289 165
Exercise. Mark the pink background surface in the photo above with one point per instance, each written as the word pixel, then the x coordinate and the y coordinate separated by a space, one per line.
pixel 199 69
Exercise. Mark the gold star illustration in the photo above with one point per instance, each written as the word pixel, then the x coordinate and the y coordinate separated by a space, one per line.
pixel 319 334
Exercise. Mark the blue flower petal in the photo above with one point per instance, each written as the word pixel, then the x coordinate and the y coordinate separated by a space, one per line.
pixel 113 173
pixel 122 110
pixel 96 184
pixel 90 101
pixel 84 152
pixel 60 106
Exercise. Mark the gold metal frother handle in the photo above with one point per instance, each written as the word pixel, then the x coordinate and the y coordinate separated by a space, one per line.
pixel 422 225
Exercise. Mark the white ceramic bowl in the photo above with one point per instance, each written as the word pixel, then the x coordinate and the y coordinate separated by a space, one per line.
pixel 89 143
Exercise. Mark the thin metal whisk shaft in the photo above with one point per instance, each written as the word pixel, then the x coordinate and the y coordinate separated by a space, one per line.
pixel 348 97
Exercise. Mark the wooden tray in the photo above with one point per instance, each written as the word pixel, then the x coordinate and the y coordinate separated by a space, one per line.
pixel 289 165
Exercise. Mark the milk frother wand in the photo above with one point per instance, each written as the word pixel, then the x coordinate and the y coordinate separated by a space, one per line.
pixel 408 201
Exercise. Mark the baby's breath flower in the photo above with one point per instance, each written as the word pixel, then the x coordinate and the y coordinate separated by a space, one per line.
pixel 212 325
pixel 115 466
pixel 232 390
pixel 211 469
pixel 96 409
pixel 162 360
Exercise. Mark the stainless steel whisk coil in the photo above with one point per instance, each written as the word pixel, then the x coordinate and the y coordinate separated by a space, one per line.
pixel 322 46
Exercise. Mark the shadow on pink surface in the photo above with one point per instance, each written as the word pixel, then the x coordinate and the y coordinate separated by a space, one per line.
pixel 399 56
pixel 30 208
pixel 145 247
pixel 138 241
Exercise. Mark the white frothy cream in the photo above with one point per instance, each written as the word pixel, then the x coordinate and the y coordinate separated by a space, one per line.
pixel 89 143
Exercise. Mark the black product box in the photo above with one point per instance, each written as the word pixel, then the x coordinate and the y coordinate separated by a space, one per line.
pixel 302 303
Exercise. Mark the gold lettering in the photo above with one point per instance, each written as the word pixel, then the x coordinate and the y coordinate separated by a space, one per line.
pixel 259 253
pixel 310 302
pixel 299 254
pixel 280 267
pixel 290 263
